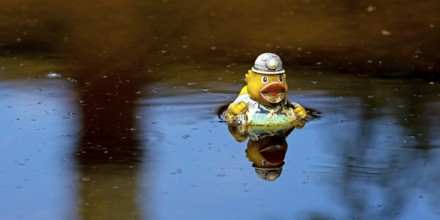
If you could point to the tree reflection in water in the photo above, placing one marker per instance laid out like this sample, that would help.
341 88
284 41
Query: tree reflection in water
109 153
107 52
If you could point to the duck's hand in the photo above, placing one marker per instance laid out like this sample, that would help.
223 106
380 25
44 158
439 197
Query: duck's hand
237 108
300 111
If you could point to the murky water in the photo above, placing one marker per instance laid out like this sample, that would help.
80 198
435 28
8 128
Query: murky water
374 153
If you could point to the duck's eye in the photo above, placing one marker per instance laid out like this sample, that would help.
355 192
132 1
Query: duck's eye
264 79
280 78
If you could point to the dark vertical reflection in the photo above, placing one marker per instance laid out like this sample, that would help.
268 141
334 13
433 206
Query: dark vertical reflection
109 152
107 50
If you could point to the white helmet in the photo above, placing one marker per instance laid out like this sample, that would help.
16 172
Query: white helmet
268 63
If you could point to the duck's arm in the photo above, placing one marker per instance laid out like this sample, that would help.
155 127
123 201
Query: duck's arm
239 105
299 110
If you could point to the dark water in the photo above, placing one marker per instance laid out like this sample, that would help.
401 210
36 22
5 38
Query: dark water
374 153
109 110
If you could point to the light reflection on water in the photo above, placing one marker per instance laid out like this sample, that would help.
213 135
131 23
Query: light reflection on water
373 155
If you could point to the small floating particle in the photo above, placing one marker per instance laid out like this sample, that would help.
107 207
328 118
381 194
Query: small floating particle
386 33
371 8
53 75
221 175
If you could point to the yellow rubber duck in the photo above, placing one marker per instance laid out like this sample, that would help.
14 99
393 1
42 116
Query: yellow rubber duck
263 101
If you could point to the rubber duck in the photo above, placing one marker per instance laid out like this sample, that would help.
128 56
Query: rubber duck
262 102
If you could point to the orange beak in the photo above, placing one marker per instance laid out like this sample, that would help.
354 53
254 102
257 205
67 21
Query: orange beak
273 92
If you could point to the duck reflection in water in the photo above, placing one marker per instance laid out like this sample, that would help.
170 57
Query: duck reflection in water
266 148
267 156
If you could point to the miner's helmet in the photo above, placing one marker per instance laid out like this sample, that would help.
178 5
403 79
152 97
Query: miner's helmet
269 174
268 63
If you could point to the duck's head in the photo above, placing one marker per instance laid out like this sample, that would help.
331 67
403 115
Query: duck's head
266 82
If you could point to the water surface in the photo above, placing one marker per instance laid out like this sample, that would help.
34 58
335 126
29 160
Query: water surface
373 154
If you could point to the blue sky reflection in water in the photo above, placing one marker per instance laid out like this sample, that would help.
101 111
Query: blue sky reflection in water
373 155
38 131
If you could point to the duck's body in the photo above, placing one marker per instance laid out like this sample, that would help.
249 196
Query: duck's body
256 114
263 102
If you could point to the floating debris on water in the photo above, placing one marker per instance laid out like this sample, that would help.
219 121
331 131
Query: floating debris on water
53 75
386 32
371 8
191 83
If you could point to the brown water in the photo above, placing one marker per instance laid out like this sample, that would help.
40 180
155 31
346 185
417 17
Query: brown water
109 110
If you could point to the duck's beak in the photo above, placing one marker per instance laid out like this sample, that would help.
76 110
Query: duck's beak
273 92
